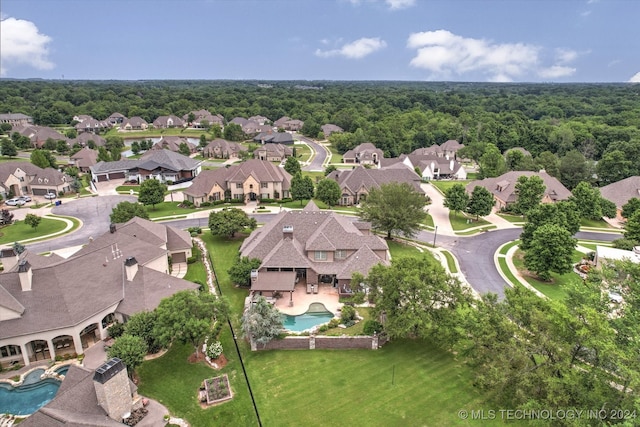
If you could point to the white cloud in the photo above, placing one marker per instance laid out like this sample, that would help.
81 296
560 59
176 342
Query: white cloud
400 4
635 78
355 50
23 44
445 54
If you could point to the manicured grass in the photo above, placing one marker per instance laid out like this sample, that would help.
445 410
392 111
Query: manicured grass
443 186
554 289
595 223
335 156
399 249
357 329
451 264
461 221
196 272
4 159
169 209
125 189
407 382
502 262
516 219
505 248
303 152
428 221
223 252
19 231
315 176
155 133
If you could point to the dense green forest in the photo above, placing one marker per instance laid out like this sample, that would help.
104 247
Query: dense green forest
598 121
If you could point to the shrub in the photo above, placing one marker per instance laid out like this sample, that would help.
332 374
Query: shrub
323 328
348 314
371 327
186 204
192 259
333 323
169 182
213 350
205 204
358 298
116 330
197 230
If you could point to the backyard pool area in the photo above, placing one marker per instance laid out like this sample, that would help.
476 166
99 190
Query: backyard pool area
27 398
316 314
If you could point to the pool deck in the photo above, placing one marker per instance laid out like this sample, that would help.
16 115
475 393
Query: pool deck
326 295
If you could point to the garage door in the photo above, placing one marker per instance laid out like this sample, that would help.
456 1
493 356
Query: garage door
102 178
116 175
179 257
39 191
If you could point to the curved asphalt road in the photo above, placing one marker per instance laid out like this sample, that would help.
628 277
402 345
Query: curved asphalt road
475 254
317 162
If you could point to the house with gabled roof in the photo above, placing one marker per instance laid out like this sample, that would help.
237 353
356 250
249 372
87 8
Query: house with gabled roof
273 152
222 149
504 192
431 166
163 165
134 123
329 128
364 154
90 125
202 117
287 123
274 137
311 248
116 118
16 119
83 139
166 122
51 306
172 143
247 181
38 135
621 192
22 178
84 159
357 183
448 149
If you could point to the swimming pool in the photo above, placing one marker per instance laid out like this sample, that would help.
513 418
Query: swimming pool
27 398
317 314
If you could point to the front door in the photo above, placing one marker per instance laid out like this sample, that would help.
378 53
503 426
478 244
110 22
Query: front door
253 197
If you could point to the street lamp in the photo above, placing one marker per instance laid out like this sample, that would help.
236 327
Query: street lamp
435 234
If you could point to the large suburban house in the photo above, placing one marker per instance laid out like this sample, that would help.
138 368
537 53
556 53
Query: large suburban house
22 178
364 154
272 152
248 181
621 192
222 149
202 118
448 149
134 123
287 123
51 306
87 124
504 192
84 159
163 165
606 254
273 137
431 166
165 122
38 135
329 128
313 248
172 143
357 183
84 140
16 119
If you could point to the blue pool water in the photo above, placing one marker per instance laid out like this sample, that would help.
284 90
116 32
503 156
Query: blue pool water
317 314
26 399
62 370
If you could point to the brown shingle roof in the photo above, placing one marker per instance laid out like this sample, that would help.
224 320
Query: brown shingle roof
622 191
503 187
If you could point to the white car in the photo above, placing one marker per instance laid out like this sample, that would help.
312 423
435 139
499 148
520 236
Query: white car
15 202
50 196
25 198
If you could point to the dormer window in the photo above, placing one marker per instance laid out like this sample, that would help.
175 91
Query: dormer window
340 254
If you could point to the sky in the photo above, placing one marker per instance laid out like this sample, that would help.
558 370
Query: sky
414 40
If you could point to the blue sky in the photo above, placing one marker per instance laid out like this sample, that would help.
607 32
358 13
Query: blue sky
435 40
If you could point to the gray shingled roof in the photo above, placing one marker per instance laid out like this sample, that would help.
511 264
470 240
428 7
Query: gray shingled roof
356 179
167 159
503 187
622 191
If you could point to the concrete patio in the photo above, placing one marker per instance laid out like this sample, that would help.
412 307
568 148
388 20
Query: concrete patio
327 295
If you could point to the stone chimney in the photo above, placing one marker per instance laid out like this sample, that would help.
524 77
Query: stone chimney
131 268
287 231
112 389
9 258
26 275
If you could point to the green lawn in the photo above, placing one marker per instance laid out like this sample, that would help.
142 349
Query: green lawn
303 152
451 264
516 219
196 271
154 133
4 159
399 249
19 231
443 186
335 156
125 189
595 223
168 209
461 221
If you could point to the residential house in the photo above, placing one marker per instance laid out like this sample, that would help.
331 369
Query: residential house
116 119
163 165
38 135
328 129
83 139
621 192
271 136
84 159
447 149
261 120
273 152
289 124
52 306
254 128
222 149
431 166
607 253
90 125
311 248
134 123
364 154
165 122
248 181
22 178
16 119
504 192
357 183
203 117
172 143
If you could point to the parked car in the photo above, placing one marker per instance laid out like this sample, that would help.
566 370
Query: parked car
50 196
15 202
25 198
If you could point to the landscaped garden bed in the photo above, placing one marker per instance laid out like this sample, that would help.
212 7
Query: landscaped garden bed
215 390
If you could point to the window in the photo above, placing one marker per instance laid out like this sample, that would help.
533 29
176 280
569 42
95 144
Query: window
341 254
239 185
320 255
10 350
264 185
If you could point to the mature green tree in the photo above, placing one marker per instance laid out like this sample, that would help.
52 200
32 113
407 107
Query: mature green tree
50 144
124 211
574 169
394 208
329 169
262 322
32 220
72 171
142 324
104 155
632 227
328 191
40 159
301 187
549 162
492 162
530 191
8 148
631 207
151 192
292 165
228 222
131 350
203 141
613 167
189 316
551 250
417 298
135 147
184 149
587 200
62 147
563 214
240 271
608 208
481 202
233 132
18 247
71 133
456 198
